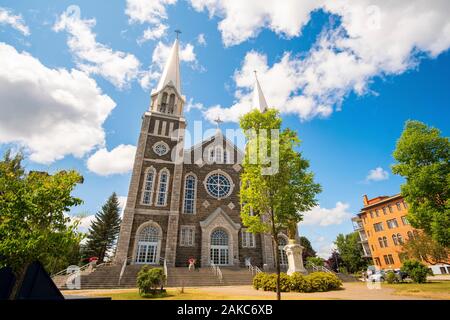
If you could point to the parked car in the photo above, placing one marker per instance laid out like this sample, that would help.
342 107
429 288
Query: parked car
378 276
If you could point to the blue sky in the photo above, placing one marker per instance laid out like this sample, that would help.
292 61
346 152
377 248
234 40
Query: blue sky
346 75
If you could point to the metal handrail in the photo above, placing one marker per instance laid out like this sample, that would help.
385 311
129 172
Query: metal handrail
254 269
124 265
217 272
64 271
320 268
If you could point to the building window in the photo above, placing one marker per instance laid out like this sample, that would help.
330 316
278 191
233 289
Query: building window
399 238
398 206
147 194
405 205
443 271
171 104
389 259
373 249
162 187
385 242
148 245
225 156
394 239
282 256
377 212
190 186
384 211
218 185
248 239
392 223
160 148
378 227
219 254
163 106
377 261
390 208
187 236
380 242
371 214
410 235
405 221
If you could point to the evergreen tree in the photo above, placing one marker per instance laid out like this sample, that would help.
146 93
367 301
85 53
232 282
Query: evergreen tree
104 230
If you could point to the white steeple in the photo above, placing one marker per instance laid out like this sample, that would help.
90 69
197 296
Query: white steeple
171 73
259 101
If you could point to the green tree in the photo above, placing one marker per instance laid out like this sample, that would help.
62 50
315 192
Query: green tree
314 261
424 247
351 252
416 270
104 230
308 250
423 159
273 201
34 224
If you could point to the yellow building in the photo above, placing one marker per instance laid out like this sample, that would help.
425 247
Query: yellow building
383 227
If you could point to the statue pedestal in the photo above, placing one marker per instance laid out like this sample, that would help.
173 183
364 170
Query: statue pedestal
294 255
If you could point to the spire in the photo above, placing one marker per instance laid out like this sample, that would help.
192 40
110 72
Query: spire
171 72
258 97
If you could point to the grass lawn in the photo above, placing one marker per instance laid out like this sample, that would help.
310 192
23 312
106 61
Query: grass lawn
433 289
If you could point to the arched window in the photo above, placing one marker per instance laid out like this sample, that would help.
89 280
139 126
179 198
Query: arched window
380 242
171 104
399 238
147 194
148 245
410 235
163 106
190 186
219 253
394 239
162 187
282 256
211 155
385 242
218 154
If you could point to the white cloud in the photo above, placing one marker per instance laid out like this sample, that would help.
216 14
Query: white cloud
51 112
193 105
147 11
201 39
117 161
152 12
325 217
377 174
374 39
117 67
159 58
325 248
15 21
152 33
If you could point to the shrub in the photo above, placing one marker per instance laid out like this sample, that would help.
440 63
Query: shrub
316 281
300 283
391 277
416 270
149 280
323 281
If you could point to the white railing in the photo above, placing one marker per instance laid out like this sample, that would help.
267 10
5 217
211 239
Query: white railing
217 272
320 268
254 269
124 265
165 270
64 271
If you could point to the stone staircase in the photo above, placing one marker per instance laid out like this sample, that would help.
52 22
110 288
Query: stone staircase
107 277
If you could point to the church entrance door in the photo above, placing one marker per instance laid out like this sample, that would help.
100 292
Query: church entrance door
147 252
219 254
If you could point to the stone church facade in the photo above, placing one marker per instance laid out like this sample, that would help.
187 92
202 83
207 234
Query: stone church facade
184 203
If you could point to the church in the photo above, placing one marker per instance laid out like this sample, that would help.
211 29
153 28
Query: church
184 203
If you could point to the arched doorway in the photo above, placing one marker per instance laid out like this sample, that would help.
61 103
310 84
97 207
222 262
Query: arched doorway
282 256
219 254
148 245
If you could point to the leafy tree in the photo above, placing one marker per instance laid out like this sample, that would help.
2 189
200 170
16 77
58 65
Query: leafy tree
416 270
423 159
149 280
424 247
273 201
104 230
351 252
308 250
316 261
33 217
334 262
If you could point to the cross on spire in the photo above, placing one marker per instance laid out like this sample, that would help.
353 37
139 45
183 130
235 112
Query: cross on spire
218 121
177 32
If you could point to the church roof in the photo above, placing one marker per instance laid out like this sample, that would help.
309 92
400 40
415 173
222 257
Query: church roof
259 101
171 72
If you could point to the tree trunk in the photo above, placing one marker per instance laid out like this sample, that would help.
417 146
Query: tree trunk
20 274
277 261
